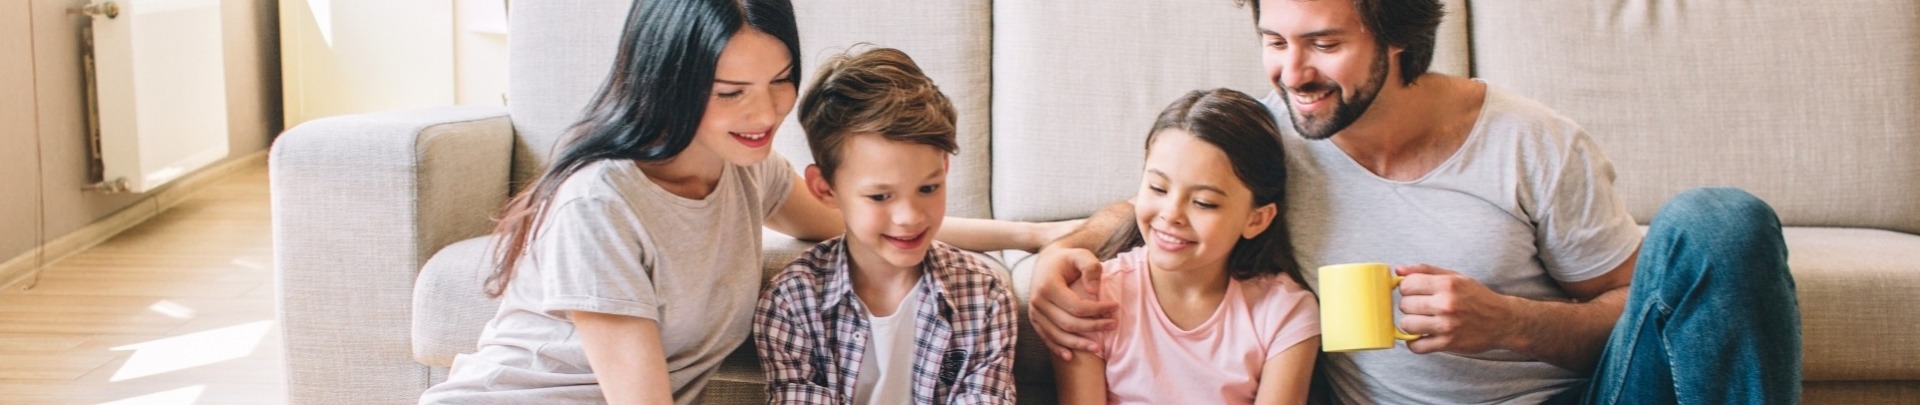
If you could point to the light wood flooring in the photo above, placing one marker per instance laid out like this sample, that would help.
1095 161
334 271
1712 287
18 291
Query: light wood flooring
177 310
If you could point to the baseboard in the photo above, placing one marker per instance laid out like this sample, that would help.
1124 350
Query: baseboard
16 270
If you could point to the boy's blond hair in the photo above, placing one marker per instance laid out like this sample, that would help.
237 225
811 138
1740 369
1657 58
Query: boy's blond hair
879 91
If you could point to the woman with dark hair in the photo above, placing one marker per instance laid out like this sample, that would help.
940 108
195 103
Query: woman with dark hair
630 268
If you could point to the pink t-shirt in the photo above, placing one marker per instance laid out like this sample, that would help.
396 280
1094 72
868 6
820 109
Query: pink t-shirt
1153 361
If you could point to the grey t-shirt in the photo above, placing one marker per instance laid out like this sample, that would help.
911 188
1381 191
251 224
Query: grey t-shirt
614 242
1527 200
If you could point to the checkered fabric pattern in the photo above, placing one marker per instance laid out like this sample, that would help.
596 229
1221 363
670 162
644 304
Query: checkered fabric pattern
811 333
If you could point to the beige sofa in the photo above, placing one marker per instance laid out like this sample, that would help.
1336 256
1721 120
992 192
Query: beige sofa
1814 107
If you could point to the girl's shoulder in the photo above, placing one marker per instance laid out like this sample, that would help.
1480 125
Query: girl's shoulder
1277 294
1124 272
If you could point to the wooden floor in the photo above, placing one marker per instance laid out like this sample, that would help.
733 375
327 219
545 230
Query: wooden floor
178 310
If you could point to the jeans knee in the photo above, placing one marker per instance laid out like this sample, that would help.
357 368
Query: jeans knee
1724 210
1727 226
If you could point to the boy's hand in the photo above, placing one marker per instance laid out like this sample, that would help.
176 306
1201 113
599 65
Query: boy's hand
1060 311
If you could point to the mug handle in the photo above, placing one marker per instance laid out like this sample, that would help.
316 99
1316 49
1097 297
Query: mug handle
1397 333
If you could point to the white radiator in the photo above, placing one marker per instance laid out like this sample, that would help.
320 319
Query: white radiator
160 90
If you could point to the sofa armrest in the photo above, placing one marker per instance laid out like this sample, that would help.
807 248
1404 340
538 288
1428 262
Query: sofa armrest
359 203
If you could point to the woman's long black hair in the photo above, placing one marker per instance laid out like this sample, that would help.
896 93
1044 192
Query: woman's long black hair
651 103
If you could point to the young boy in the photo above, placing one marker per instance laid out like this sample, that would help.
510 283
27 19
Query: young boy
883 314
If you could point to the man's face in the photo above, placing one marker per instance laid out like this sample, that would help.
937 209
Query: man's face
1320 56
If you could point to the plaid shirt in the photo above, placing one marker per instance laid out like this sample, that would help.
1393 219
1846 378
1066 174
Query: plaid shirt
811 332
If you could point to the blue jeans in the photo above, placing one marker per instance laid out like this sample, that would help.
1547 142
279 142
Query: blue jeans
1711 317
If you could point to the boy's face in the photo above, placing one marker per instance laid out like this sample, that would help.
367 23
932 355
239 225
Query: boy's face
893 196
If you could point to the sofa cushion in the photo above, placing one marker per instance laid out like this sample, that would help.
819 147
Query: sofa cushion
1077 84
1857 302
1809 105
561 53
951 43
450 306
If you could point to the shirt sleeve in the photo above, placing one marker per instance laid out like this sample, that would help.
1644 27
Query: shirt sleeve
1299 319
590 254
773 178
1583 229
989 378
784 330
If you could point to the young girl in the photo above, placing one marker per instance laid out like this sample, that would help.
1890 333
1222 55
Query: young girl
1212 309
630 268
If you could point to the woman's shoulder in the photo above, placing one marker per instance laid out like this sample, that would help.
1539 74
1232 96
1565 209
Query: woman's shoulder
595 180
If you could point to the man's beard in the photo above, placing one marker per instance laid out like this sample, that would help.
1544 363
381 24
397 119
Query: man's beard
1344 112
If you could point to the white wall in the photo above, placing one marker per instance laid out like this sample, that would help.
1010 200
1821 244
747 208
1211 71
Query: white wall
43 114
356 56
480 52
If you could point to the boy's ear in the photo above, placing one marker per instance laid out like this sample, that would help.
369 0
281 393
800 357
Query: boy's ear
817 185
1261 219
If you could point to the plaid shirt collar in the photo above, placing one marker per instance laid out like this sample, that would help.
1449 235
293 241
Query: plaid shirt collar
837 277
812 338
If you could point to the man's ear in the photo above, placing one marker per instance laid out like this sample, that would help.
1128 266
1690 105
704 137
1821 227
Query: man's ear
817 185
1261 219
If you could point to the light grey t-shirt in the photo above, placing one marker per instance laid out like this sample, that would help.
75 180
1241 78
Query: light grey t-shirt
1527 200
614 242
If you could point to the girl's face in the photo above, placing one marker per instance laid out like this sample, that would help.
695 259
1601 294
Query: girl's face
753 89
1192 208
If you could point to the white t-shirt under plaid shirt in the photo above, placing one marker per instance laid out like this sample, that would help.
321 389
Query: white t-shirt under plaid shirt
812 332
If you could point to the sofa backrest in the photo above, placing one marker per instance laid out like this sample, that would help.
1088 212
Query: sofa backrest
562 49
950 40
1812 106
1076 85
560 52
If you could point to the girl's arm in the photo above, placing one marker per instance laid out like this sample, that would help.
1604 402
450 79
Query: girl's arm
804 217
1286 376
1083 380
987 235
625 355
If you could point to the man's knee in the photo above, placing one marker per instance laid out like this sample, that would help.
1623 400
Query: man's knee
1727 226
1729 213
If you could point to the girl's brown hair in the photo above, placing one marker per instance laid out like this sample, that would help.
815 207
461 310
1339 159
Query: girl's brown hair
1246 131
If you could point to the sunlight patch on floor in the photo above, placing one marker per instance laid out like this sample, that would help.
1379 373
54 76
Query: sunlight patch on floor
171 309
181 396
250 263
191 350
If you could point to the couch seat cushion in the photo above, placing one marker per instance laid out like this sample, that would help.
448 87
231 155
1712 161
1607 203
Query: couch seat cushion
1857 302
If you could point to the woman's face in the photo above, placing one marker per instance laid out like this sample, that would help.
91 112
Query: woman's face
753 90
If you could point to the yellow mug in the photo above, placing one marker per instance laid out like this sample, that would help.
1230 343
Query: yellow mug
1356 307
